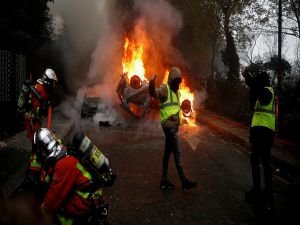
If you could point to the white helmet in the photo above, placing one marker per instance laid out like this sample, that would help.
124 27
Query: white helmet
45 143
49 74
49 78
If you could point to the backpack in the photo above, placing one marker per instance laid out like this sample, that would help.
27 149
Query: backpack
24 103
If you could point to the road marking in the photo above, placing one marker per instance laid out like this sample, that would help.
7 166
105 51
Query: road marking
193 142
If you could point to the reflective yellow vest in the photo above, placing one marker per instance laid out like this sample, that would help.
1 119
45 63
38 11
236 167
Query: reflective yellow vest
265 115
170 107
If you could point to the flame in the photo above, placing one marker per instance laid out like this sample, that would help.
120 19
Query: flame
186 93
132 61
135 47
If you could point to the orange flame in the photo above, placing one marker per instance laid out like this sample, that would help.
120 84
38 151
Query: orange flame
132 61
133 64
185 93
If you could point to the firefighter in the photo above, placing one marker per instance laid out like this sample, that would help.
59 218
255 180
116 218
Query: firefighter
168 95
262 132
33 104
74 194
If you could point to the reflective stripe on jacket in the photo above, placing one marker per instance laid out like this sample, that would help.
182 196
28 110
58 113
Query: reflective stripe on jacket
264 115
69 194
65 220
34 164
170 107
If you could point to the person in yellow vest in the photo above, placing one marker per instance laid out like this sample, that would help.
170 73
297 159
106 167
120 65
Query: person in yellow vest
168 95
262 134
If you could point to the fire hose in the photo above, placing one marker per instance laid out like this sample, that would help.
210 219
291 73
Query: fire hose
49 117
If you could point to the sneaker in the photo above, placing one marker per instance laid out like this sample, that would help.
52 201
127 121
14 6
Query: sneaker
166 184
186 185
253 196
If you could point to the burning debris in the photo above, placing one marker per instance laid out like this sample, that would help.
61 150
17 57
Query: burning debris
134 95
133 88
89 107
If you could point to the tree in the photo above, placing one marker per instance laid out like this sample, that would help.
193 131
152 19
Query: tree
24 24
291 11
290 17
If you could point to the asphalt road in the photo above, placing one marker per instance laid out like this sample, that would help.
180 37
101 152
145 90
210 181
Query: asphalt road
221 169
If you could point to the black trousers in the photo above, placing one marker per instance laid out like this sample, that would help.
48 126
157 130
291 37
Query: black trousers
172 146
262 140
263 153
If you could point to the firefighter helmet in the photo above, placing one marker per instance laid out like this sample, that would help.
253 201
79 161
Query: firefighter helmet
45 143
49 78
49 74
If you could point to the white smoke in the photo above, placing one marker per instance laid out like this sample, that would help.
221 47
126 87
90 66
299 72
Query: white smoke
93 46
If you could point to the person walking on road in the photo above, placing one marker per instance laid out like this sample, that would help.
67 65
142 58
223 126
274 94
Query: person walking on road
262 134
168 95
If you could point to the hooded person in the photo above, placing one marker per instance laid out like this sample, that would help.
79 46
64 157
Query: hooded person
168 95
262 132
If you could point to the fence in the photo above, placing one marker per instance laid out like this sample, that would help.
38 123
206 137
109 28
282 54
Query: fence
12 75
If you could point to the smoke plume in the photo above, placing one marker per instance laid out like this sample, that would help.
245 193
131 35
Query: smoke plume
92 41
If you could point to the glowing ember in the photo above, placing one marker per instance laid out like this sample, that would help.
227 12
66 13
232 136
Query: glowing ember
186 108
186 94
135 82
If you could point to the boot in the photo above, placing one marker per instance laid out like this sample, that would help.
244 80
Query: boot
268 199
186 184
166 184
253 196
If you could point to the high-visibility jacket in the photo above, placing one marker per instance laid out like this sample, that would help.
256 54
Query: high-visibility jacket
67 196
170 107
264 115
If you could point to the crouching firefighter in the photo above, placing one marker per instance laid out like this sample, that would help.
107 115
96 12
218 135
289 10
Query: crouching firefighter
74 177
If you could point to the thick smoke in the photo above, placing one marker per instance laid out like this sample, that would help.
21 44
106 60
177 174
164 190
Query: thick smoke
92 43
161 22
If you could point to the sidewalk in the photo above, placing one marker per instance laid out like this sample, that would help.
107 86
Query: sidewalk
15 152
285 155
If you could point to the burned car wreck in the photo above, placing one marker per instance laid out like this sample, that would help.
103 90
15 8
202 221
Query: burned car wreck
134 95
135 98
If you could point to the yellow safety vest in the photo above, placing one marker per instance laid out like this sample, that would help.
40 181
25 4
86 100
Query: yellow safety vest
170 107
265 115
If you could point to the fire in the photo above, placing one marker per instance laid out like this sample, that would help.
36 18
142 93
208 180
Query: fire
186 94
132 61
135 47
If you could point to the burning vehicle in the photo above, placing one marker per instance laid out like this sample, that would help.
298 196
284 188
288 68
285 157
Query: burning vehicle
133 87
135 98
134 95
89 106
